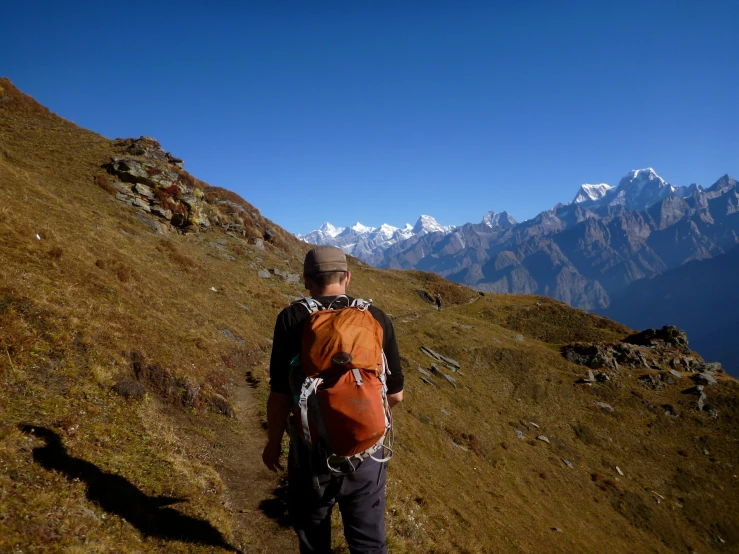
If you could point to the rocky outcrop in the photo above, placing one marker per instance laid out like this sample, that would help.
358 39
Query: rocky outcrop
669 335
660 355
153 182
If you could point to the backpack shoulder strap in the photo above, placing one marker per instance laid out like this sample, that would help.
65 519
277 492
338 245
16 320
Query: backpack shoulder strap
337 299
361 304
310 304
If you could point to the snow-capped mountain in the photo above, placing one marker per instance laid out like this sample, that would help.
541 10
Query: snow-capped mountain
427 224
591 192
504 220
363 241
637 191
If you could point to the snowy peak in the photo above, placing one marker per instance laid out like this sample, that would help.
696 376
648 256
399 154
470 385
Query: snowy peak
363 241
361 229
641 177
503 220
330 230
591 193
642 188
637 190
427 224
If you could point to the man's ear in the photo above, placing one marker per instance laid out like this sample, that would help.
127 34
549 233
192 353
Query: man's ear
348 277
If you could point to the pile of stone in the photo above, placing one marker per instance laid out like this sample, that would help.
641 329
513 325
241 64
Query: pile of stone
151 180
148 148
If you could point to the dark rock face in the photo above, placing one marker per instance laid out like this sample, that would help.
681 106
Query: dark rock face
593 356
669 334
582 255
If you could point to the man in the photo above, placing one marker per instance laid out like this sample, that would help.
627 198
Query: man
438 301
312 488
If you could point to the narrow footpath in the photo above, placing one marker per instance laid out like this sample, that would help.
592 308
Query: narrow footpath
255 493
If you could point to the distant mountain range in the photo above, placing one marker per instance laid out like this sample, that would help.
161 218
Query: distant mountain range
364 242
582 252
586 252
700 297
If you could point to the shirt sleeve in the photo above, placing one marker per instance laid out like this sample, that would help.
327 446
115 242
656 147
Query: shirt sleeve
279 364
390 345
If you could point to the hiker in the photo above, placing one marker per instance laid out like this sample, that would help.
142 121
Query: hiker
318 479
438 301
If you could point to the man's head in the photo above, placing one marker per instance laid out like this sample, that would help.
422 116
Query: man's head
325 271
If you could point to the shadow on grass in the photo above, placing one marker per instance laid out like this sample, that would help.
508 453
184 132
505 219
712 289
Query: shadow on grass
276 508
119 496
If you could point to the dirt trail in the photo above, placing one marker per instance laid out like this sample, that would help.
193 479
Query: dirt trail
253 490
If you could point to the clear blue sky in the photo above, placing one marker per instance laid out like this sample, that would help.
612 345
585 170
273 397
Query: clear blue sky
380 111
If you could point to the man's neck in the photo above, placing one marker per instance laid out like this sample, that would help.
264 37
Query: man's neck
331 290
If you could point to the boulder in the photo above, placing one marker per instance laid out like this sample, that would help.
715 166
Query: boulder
154 225
221 405
705 379
151 174
264 274
141 204
161 212
127 198
130 389
593 356
143 190
669 334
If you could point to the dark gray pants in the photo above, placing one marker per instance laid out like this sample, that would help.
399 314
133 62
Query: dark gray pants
361 498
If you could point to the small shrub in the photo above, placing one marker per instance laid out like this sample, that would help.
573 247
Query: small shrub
103 182
585 434
56 252
124 273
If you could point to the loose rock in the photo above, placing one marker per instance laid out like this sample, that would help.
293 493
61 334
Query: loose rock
130 389
705 379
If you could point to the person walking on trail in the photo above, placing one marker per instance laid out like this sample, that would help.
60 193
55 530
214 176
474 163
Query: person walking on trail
319 364
438 301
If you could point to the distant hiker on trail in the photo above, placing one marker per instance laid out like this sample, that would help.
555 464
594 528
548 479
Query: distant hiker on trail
334 376
438 301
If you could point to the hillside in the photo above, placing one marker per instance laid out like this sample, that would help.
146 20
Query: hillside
133 360
700 297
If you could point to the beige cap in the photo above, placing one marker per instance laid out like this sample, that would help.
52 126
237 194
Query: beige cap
323 259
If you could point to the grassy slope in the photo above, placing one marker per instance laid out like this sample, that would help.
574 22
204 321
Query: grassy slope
100 285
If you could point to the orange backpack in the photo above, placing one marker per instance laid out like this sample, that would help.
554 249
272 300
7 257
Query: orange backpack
342 407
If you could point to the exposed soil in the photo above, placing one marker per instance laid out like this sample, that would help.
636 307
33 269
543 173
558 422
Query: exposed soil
255 494
254 491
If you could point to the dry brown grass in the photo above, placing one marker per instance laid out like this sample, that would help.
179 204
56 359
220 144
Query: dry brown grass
100 297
